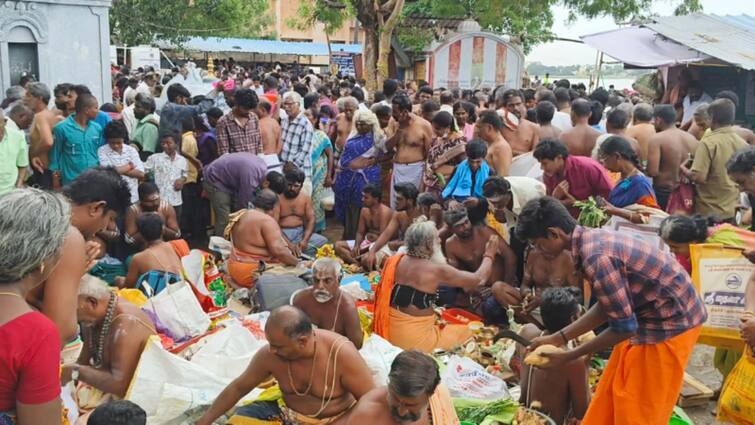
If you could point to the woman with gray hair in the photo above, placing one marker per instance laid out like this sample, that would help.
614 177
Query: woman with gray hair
406 296
33 226
357 167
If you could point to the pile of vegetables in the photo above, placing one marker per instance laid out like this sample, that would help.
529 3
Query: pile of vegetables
484 412
591 215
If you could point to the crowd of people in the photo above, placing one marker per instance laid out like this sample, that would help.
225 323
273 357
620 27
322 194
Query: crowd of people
461 198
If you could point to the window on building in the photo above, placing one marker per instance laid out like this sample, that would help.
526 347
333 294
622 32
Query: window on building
23 60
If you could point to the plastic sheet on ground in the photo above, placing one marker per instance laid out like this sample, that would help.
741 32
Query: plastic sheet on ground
465 378
379 354
166 385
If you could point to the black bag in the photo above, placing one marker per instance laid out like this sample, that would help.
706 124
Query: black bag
273 291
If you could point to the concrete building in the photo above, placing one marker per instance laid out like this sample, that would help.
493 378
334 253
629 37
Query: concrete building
284 11
56 41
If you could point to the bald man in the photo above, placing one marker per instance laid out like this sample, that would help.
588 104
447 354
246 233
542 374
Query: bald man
580 140
327 305
320 373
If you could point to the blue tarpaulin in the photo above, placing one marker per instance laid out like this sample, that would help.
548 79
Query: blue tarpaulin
247 45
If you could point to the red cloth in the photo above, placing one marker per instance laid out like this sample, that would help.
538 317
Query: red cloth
586 178
29 361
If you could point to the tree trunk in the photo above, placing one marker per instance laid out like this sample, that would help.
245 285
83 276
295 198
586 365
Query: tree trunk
386 34
370 57
330 51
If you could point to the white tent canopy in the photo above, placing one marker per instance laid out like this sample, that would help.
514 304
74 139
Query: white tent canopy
642 47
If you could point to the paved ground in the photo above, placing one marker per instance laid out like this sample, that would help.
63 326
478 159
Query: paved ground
700 365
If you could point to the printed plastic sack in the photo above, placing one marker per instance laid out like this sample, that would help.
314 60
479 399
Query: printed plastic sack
720 276
379 354
737 402
206 282
682 199
465 378
177 313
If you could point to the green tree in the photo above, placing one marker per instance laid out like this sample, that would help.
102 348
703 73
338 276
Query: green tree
134 22
310 14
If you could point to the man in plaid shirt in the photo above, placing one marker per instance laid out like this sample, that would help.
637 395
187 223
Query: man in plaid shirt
239 130
296 136
653 313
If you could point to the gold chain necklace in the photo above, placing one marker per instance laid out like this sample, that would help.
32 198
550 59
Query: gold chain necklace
311 374
12 294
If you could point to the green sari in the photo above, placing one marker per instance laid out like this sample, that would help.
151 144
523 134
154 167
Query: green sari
320 142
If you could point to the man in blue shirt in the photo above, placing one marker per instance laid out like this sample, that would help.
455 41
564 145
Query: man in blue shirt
102 118
75 142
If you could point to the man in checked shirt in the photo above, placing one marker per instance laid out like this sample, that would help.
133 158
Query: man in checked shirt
296 138
653 313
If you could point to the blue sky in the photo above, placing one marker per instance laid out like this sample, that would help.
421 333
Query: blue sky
566 53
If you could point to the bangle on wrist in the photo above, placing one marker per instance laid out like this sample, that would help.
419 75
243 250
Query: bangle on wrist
492 257
566 341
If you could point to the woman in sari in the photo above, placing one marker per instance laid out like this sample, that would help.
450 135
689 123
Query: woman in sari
634 188
322 168
446 152
357 168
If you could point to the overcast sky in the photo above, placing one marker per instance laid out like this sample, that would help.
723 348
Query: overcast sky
566 53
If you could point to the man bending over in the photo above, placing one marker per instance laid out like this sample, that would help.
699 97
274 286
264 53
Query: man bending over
320 373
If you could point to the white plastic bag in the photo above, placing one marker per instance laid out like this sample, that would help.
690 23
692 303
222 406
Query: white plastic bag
467 379
177 312
379 354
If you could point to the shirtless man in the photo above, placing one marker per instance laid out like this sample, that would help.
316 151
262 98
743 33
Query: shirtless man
411 141
580 140
544 112
320 373
642 128
669 148
157 255
270 130
414 381
110 365
465 250
256 237
149 201
97 197
296 217
489 125
542 272
521 134
563 392
40 134
373 219
344 121
326 305
616 125
393 235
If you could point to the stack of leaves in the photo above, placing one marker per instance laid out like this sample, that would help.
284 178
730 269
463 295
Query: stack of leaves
590 215
485 412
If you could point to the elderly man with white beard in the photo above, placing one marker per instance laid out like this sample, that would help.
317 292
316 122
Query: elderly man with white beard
406 296
327 306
